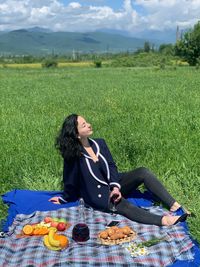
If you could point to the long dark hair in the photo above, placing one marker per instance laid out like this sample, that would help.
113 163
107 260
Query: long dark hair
67 141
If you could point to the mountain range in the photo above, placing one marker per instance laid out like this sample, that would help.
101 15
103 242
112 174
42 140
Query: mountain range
39 41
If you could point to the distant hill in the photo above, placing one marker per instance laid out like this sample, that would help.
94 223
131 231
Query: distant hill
39 41
166 36
38 29
154 36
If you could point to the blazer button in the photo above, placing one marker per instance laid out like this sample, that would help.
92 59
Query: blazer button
99 195
98 186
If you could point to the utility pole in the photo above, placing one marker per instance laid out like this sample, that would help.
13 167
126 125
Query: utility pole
73 55
177 34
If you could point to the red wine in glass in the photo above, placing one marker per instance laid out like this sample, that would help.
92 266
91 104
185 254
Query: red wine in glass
80 232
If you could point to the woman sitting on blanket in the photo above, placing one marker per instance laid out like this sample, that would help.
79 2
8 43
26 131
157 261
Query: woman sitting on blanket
90 173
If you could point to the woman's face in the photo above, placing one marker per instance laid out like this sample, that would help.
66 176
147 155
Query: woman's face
84 128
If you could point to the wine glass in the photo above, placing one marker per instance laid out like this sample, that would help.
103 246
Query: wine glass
113 203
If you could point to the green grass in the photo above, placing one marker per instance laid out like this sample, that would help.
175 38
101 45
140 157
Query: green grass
148 118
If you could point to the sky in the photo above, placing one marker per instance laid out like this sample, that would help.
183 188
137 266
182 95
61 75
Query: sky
90 15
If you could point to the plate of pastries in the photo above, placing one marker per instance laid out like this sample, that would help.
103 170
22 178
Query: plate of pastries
116 235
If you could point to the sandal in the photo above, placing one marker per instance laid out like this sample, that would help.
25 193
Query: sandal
182 218
189 213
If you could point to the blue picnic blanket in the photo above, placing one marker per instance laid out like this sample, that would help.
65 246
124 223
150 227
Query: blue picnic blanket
28 201
27 206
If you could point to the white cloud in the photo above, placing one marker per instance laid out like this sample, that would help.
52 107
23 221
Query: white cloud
168 14
75 5
133 16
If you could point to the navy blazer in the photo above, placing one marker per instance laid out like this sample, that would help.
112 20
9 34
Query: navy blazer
89 180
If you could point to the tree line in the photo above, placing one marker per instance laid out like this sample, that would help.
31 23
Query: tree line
187 49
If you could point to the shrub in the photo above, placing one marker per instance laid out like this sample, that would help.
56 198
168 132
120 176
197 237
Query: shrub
162 64
49 63
198 63
98 63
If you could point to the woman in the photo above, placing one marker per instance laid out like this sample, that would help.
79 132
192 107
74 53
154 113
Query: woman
90 173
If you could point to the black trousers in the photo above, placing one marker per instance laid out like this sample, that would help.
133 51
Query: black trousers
130 181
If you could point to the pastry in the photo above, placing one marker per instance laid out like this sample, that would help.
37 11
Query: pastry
116 235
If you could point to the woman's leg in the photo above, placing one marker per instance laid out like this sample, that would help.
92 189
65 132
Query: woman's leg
131 180
125 208
134 213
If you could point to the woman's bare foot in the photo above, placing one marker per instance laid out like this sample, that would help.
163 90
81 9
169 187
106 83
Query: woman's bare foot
169 220
175 206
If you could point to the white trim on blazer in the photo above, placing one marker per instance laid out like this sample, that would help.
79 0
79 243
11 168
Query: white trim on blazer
107 167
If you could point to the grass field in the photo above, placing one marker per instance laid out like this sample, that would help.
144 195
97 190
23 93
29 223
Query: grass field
148 118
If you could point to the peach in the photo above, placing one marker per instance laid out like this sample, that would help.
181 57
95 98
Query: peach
54 224
47 219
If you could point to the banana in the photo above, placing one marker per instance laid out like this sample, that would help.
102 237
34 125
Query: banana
53 228
52 241
47 244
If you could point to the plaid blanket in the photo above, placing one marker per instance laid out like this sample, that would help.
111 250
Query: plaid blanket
31 252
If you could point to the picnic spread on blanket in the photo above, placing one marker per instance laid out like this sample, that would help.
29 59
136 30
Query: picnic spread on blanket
150 245
47 238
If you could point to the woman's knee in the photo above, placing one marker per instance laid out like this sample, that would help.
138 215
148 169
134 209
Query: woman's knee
142 170
144 173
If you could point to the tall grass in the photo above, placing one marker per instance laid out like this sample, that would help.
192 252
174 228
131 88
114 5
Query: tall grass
148 118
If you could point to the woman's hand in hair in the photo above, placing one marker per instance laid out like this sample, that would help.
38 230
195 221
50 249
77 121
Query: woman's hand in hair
54 200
